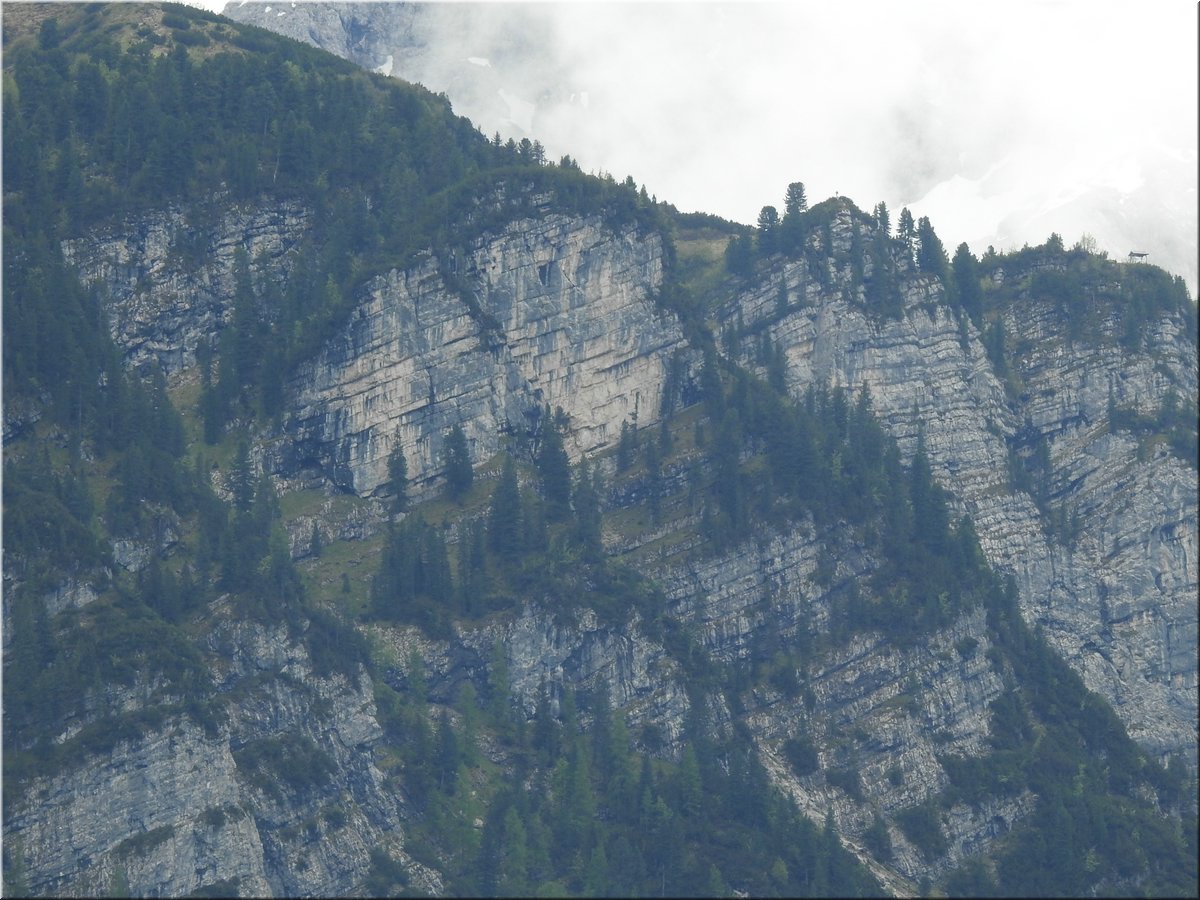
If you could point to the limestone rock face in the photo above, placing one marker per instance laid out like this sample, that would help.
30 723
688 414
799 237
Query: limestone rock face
558 310
563 317
903 706
1118 598
366 33
159 305
182 807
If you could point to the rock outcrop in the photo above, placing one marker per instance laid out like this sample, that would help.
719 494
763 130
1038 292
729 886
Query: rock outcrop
167 278
558 313
1118 598
279 795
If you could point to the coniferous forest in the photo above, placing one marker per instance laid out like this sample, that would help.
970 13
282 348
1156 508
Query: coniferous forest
145 497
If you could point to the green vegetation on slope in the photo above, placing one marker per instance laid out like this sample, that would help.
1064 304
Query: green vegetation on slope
105 118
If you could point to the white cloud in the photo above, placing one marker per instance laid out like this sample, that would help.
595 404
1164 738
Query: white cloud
1001 121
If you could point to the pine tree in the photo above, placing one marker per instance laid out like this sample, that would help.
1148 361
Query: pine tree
966 279
460 473
768 231
535 534
931 255
472 569
588 518
504 515
626 446
553 465
398 477
514 876
906 231
792 231
795 202
739 255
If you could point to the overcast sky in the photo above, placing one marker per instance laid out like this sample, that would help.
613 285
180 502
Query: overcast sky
1001 121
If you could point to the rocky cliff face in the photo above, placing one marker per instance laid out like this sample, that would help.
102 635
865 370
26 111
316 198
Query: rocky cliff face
161 300
561 315
558 310
279 796
1118 600
365 33
905 707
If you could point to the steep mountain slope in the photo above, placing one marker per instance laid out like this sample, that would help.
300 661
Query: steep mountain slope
1149 671
1115 585
247 651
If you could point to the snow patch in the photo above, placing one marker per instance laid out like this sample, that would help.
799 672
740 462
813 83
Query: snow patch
386 68
479 61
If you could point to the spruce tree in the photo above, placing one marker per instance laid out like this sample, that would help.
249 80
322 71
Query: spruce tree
553 465
460 474
626 446
795 202
398 477
588 520
768 231
966 279
504 515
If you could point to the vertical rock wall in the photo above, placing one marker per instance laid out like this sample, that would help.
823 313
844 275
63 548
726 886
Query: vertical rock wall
563 316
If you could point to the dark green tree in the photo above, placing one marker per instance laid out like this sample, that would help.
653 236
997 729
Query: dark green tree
739 255
398 477
795 202
931 255
768 231
966 280
906 230
460 473
473 583
504 516
792 230
588 518
883 222
553 465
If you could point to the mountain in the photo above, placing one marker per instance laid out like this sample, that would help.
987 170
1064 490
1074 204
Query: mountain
387 509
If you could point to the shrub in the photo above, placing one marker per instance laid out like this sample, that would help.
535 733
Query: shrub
848 779
877 840
921 826
801 755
